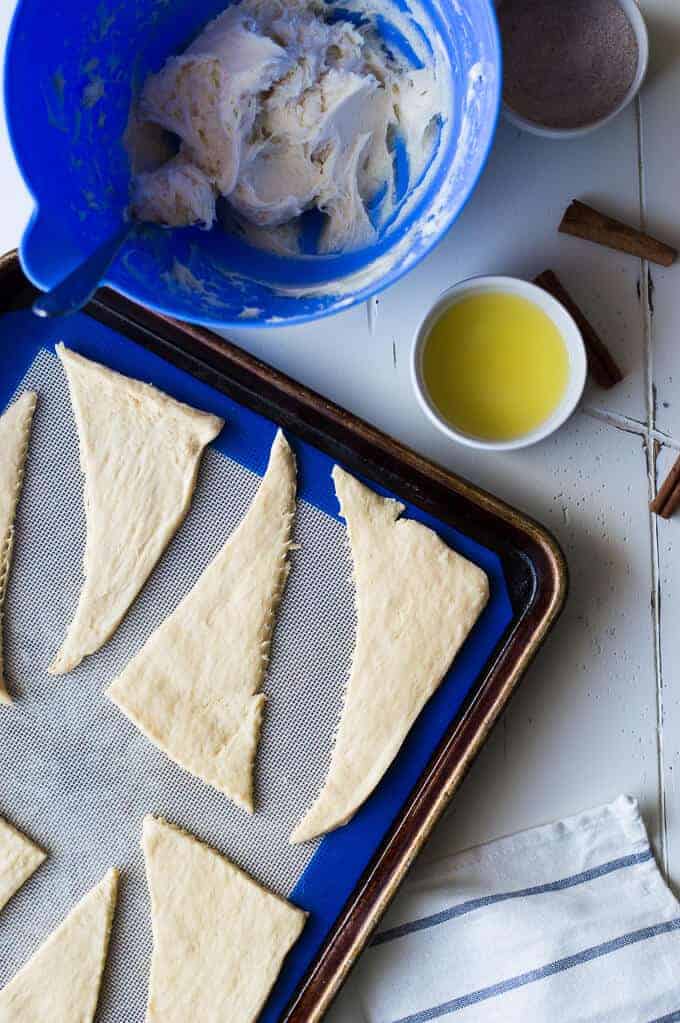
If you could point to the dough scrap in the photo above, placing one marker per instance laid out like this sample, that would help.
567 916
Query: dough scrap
194 687
219 938
139 452
61 983
416 602
15 428
19 858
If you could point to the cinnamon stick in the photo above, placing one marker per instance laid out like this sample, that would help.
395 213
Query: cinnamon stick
584 222
601 363
667 499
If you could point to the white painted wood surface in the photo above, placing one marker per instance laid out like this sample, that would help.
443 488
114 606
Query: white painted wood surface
599 712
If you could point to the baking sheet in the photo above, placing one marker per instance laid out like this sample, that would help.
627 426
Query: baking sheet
78 777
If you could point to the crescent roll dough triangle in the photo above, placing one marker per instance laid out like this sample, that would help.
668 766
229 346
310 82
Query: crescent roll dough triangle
139 452
15 427
19 858
194 687
60 984
416 602
219 939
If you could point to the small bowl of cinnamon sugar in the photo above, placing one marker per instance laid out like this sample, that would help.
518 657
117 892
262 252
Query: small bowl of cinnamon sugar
570 65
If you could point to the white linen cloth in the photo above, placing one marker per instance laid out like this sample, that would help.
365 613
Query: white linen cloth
568 923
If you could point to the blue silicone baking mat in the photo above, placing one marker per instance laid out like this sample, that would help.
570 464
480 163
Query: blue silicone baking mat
98 823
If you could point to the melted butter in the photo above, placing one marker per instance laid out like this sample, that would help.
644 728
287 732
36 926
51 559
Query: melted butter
495 366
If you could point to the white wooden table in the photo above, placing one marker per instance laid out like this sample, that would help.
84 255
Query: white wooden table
599 712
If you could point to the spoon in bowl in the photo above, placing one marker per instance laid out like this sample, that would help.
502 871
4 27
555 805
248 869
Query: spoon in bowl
76 290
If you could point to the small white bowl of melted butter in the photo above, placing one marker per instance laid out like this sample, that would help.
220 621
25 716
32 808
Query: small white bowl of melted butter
498 364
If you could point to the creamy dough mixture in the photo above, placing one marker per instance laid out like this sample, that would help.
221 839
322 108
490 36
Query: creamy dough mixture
282 106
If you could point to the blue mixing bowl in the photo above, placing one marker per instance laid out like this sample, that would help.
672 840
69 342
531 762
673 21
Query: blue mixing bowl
70 73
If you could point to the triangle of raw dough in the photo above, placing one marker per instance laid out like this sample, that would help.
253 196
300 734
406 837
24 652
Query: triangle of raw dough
219 939
61 982
19 858
15 428
194 687
416 601
139 452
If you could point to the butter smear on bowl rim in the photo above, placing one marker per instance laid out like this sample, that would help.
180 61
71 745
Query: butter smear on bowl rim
498 364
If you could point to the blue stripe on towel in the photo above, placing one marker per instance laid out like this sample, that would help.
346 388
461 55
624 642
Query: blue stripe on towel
489 900
568 963
673 1017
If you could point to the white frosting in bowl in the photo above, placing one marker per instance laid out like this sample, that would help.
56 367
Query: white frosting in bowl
282 106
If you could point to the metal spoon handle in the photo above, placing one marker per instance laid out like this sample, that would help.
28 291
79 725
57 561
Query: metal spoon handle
77 289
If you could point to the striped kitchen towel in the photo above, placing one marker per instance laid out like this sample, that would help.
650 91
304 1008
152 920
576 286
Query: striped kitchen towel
569 923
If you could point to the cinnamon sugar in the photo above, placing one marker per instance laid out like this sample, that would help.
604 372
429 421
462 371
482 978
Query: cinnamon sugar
568 63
